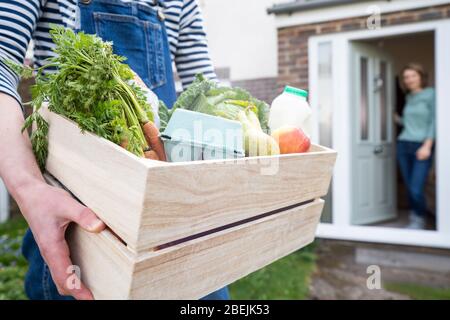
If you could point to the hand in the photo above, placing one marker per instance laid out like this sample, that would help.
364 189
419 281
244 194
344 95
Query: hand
397 118
49 210
423 153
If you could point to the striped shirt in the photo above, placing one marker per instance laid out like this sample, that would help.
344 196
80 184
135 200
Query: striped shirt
23 20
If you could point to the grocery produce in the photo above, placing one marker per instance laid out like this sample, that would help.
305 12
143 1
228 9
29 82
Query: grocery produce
91 86
151 134
291 140
256 142
291 109
151 154
206 96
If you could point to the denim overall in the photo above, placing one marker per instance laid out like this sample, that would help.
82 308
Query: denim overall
138 33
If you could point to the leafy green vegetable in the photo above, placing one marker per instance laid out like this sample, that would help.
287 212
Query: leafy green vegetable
92 87
206 96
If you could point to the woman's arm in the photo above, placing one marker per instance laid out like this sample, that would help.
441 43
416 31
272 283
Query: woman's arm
192 53
398 119
425 150
431 134
48 210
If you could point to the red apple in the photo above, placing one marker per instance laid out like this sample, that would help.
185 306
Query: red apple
291 140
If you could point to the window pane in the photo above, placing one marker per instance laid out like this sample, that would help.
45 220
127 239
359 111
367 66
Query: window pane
325 93
325 111
364 103
383 101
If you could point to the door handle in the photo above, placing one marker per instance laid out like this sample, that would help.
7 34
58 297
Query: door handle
378 150
378 84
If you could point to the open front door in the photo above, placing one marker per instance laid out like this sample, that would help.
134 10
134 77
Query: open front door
374 179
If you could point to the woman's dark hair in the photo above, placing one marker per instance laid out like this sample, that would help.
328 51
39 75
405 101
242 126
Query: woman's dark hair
420 70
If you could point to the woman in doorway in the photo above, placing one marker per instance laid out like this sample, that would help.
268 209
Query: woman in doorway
415 144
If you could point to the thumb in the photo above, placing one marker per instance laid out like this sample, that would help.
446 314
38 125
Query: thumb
87 219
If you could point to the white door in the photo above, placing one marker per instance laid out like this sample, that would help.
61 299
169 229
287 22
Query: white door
374 174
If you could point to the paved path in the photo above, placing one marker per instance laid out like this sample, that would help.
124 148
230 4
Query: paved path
339 276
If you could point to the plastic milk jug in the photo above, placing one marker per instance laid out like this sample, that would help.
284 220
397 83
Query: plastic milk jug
291 109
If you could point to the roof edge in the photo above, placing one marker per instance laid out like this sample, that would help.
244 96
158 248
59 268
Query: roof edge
291 7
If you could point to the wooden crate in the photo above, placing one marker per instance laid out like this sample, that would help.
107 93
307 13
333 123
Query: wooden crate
182 230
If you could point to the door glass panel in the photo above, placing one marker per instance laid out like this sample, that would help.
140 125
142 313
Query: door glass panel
325 82
364 103
325 111
383 101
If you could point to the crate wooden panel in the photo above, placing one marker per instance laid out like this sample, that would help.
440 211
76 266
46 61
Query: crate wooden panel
194 268
149 203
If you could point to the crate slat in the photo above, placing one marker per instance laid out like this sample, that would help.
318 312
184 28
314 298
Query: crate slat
195 268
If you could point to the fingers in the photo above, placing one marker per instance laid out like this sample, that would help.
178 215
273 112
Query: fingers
86 218
421 156
64 274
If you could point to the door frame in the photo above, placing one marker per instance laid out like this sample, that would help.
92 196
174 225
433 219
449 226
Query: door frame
4 202
341 227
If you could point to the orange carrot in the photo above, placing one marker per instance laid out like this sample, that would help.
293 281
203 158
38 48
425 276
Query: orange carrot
151 155
124 143
151 134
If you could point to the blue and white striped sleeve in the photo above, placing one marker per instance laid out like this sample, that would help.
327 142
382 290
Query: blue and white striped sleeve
17 22
192 54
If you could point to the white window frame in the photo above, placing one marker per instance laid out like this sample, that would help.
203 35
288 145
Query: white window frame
341 227
4 202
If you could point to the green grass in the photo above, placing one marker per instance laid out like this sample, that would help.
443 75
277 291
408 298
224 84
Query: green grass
13 265
418 292
287 278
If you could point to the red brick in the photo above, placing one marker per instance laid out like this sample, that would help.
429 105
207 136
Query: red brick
351 26
402 18
328 28
432 14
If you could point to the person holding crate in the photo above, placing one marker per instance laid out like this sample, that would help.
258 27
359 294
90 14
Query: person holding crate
177 36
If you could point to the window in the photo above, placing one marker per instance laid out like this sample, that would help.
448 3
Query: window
325 98
364 102
325 113
383 101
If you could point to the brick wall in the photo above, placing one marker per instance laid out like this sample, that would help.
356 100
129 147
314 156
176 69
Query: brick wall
293 41
265 89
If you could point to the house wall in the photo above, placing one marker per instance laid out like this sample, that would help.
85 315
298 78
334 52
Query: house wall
265 89
293 41
242 39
